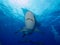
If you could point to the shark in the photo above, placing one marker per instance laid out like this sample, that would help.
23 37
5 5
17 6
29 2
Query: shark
30 23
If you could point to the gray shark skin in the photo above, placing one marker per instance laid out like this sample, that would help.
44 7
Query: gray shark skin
30 24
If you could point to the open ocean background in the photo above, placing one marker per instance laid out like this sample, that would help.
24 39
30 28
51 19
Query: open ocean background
47 13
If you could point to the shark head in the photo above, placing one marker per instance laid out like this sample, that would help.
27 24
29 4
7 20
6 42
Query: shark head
29 19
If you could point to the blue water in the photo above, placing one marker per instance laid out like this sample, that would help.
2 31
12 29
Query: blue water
47 14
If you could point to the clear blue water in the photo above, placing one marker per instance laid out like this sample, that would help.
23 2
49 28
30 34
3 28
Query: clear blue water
47 13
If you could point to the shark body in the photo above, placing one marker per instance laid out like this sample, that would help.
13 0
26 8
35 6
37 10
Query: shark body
30 24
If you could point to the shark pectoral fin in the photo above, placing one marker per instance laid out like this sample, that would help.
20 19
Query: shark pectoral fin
24 32
36 30
40 31
20 30
17 31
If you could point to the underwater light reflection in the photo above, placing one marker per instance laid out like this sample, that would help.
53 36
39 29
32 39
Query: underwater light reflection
18 3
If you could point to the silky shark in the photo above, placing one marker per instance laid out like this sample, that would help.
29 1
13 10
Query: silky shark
30 23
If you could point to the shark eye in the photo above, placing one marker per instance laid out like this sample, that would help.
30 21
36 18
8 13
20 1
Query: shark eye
30 19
